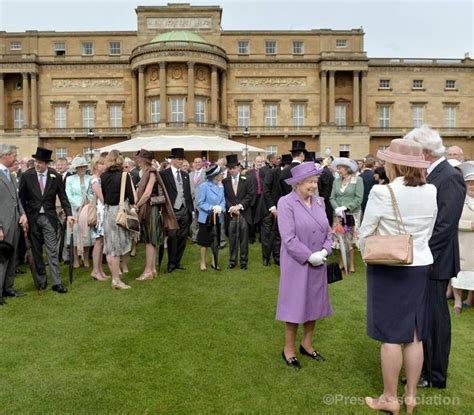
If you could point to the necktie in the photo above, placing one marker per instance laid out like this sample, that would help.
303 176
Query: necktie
259 182
196 177
41 182
178 177
7 174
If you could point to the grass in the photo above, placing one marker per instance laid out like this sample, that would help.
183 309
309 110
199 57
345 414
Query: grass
195 342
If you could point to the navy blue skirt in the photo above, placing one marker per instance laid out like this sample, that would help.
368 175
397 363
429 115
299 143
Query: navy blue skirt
397 300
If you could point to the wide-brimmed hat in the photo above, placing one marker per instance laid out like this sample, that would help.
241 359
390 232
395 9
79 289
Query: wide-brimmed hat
177 153
286 159
297 145
6 251
78 162
467 169
404 152
43 154
232 160
213 171
302 171
145 155
344 161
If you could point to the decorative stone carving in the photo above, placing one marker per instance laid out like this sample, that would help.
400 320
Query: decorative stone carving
193 23
154 76
273 65
87 83
176 72
201 74
277 82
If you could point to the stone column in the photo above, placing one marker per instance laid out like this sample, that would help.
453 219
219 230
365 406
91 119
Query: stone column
141 95
26 101
323 104
355 98
134 98
163 97
2 102
191 112
214 116
363 93
223 97
332 98
34 101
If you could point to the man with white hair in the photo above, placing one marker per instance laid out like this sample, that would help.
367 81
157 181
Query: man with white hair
444 245
456 153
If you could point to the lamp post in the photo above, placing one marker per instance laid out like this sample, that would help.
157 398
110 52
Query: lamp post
246 135
90 134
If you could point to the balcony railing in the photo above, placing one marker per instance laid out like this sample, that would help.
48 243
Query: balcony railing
401 131
278 129
99 132
179 125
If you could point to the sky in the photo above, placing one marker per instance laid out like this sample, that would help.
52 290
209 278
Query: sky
396 28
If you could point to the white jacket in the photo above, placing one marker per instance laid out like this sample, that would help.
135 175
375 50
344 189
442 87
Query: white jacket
418 208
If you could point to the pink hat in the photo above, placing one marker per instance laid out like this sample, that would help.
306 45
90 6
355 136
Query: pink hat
302 171
404 152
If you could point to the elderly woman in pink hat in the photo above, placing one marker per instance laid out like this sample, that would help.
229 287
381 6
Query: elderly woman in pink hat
305 244
397 295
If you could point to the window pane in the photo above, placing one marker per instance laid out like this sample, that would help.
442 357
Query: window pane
340 115
17 117
243 116
177 110
116 116
61 152
450 84
271 115
200 111
271 149
155 110
15 45
243 47
384 116
298 47
87 116
60 117
417 83
341 43
87 48
270 47
298 115
114 48
384 83
450 117
417 113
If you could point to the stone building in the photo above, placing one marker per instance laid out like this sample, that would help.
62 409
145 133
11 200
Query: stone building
180 73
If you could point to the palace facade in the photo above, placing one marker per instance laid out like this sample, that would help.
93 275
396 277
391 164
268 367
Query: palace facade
181 74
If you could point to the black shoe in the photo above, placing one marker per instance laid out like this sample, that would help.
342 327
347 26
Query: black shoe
422 382
315 355
180 267
171 268
13 293
216 268
2 301
438 385
230 266
293 362
266 263
59 289
244 267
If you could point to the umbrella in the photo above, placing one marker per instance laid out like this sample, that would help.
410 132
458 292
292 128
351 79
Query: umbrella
62 237
31 261
71 256
161 254
216 241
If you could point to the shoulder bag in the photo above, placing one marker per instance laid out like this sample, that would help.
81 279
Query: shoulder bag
127 217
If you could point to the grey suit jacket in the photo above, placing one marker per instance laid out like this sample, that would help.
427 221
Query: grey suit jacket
11 207
195 185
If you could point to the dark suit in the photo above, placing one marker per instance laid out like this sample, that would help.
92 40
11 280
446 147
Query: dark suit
256 205
444 245
325 181
367 177
239 226
285 189
43 227
177 238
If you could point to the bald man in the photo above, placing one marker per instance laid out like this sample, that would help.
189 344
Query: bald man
455 152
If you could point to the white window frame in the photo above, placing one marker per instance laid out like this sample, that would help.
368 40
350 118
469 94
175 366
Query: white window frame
60 116
271 149
113 49
270 47
298 47
200 111
450 84
345 147
271 115
88 116
59 48
384 84
450 116
298 114
243 115
340 111
418 84
243 47
341 43
177 109
115 112
15 45
417 114
61 152
384 116
155 110
87 48
17 117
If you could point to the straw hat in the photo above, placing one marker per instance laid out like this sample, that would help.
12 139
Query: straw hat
404 152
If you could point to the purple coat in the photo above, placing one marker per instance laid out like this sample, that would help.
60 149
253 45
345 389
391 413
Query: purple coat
303 294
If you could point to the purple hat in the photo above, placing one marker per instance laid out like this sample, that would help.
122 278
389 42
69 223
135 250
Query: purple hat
302 171
404 152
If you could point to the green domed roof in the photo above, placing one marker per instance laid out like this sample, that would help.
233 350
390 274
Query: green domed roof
178 37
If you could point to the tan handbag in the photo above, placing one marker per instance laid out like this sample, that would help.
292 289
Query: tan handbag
127 217
92 212
390 249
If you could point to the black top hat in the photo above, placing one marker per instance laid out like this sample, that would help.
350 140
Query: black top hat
286 159
145 155
43 154
310 156
232 160
6 251
297 145
177 153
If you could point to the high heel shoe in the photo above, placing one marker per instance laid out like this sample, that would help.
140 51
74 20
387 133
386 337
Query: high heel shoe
120 285
145 277
98 277
381 404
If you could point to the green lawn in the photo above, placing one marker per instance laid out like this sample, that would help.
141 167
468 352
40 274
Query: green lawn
197 342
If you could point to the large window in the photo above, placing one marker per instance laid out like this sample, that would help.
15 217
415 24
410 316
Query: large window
298 47
450 116
341 115
298 115
155 110
271 115
116 115
271 149
243 116
177 109
270 47
88 116
87 48
417 115
243 48
17 117
61 152
341 43
200 111
60 117
114 48
384 116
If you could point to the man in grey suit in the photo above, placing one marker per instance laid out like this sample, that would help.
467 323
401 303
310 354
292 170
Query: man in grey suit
197 176
11 214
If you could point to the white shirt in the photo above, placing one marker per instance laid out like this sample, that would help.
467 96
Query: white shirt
433 165
418 208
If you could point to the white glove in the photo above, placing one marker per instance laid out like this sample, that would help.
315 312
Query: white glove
217 209
323 252
316 259
338 211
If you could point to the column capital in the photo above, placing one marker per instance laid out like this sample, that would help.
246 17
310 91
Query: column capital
214 68
324 72
191 65
332 73
162 65
33 75
355 72
141 69
24 74
1 75
364 73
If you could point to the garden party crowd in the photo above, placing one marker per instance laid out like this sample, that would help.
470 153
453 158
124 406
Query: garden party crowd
313 216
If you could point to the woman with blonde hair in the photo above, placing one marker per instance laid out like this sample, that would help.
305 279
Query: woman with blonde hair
117 240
